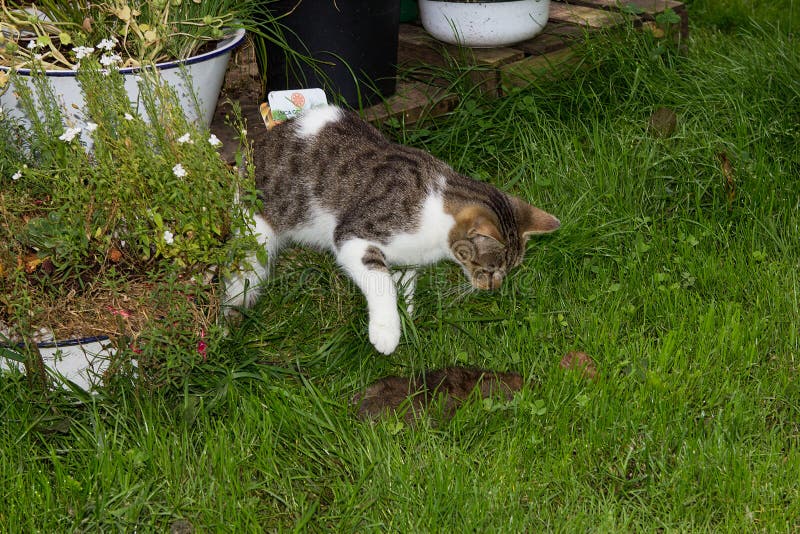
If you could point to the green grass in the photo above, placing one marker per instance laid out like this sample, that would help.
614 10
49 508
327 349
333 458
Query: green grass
686 299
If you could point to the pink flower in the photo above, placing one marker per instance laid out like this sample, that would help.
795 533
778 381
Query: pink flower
201 345
120 312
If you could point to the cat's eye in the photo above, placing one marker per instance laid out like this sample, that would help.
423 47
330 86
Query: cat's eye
463 250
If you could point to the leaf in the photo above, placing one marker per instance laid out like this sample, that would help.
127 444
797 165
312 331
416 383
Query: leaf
632 9
123 13
539 407
396 427
579 361
728 175
668 17
654 29
12 355
640 246
32 262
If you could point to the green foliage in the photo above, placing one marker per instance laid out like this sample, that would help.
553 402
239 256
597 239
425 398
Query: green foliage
153 186
145 30
743 15
150 201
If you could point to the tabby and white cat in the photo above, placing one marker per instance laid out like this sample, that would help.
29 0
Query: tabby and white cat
330 180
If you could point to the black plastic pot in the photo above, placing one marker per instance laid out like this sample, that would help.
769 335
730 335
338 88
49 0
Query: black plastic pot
353 44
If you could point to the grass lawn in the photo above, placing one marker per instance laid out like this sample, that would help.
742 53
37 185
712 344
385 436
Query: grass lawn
676 269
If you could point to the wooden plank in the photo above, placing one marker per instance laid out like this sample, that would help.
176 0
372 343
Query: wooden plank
648 7
584 16
555 36
416 46
547 67
412 102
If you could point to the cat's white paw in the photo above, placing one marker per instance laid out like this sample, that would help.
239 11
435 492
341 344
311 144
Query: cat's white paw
384 333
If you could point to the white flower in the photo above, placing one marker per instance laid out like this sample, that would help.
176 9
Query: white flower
69 135
37 57
213 140
32 44
185 138
110 59
178 170
107 44
17 175
168 237
82 51
128 117
91 126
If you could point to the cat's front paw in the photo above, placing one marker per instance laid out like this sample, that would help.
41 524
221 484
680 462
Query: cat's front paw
384 333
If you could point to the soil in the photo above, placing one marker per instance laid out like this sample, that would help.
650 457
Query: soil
242 85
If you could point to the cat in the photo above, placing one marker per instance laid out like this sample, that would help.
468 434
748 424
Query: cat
330 180
451 386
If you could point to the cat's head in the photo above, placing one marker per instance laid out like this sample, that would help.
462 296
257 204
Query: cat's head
488 245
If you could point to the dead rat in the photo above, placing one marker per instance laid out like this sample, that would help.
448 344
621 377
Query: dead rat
453 385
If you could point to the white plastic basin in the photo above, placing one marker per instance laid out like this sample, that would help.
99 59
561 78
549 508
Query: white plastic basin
205 71
484 24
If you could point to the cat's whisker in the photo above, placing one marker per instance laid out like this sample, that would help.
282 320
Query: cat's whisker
458 292
467 289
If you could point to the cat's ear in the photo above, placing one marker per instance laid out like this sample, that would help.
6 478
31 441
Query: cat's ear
532 220
477 220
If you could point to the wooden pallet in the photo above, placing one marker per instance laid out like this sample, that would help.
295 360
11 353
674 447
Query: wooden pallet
495 70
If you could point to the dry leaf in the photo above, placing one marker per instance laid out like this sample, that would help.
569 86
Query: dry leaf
47 266
727 173
654 29
580 361
32 262
123 13
663 122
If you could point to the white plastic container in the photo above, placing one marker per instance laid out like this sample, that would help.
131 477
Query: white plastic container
80 361
484 24
201 75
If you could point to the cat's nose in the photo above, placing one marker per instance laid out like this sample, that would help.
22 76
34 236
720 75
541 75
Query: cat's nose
488 280
496 280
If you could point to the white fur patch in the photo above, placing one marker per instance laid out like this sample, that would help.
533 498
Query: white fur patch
429 243
311 122
242 287
379 289
316 233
